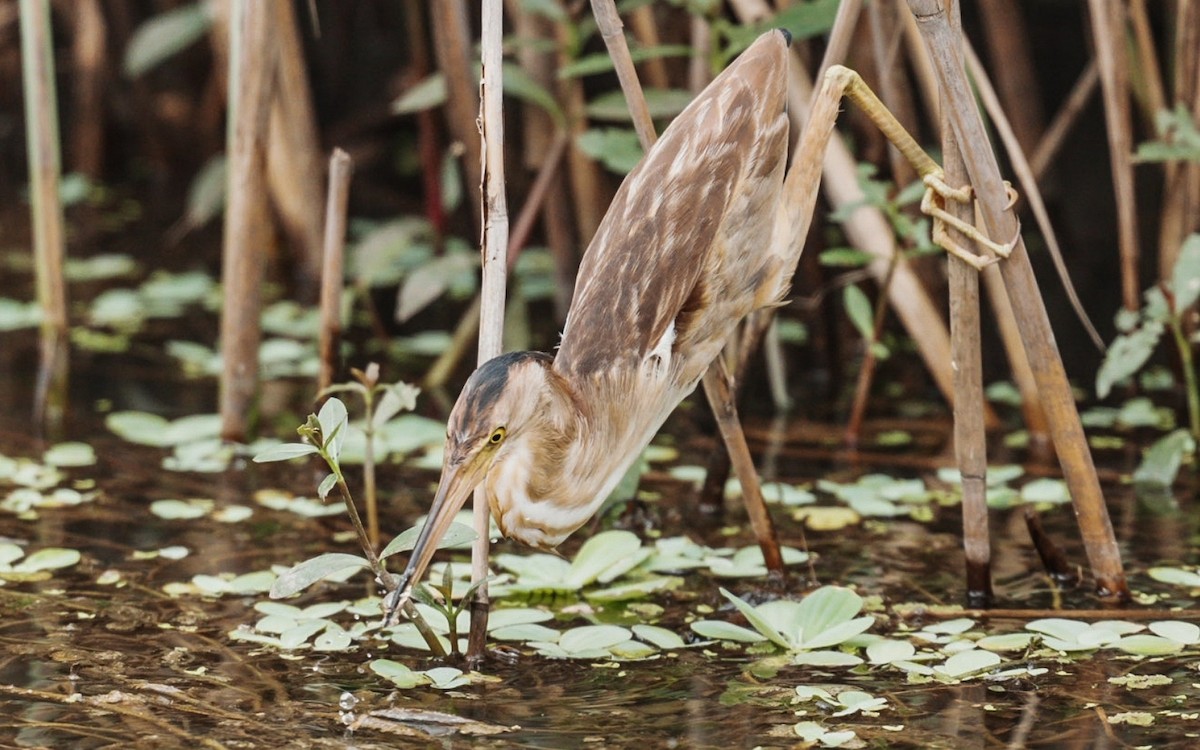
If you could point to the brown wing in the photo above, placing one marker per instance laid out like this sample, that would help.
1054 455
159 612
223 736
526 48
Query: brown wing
654 256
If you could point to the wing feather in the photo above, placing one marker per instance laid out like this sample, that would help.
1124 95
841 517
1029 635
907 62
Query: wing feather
688 226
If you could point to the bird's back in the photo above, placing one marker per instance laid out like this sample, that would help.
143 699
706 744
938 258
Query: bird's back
683 253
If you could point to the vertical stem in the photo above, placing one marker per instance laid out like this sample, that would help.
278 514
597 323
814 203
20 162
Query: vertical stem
42 147
1108 31
452 46
491 324
866 373
611 29
1189 374
340 170
1057 398
970 437
87 136
247 222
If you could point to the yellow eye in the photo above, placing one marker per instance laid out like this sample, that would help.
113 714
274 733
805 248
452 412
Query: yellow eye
497 436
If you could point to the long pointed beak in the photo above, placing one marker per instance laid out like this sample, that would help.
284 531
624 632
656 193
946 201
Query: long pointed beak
454 487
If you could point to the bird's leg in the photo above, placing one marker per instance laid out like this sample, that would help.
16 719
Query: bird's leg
937 192
720 398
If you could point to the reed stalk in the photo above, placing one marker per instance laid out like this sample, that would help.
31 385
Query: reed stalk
42 149
492 292
340 170
247 221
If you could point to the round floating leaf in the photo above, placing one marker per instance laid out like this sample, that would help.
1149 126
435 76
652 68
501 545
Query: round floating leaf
10 553
309 572
138 427
761 623
50 558
1045 491
181 510
334 638
298 635
826 659
1148 645
447 678
592 637
398 674
968 662
1006 642
607 550
1176 630
660 637
524 632
1176 576
888 650
70 454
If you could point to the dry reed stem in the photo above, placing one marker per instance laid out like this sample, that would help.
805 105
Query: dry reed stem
821 160
252 65
88 55
611 29
641 19
1149 74
468 324
922 68
46 213
970 436
294 168
1058 400
452 47
1108 31
840 36
1181 204
340 170
1029 186
492 288
885 35
699 71
1010 51
584 174
1064 120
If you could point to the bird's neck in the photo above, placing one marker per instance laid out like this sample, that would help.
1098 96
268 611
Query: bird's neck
558 478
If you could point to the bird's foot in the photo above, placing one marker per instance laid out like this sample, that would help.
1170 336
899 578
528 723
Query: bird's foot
937 193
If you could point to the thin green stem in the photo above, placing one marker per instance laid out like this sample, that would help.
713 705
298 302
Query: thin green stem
1189 375
369 470
386 579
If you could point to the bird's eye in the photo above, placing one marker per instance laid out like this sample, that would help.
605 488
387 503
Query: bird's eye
497 436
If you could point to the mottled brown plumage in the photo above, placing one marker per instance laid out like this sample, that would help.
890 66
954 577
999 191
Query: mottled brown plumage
685 252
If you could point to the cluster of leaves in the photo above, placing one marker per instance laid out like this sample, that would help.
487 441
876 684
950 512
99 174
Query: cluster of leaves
1164 308
36 485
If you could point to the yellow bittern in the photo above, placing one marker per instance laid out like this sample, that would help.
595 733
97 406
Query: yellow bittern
703 232
688 249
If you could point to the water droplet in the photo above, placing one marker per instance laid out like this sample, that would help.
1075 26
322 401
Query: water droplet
347 702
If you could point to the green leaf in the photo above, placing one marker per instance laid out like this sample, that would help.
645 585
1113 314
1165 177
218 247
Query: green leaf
457 536
520 85
285 452
1126 355
50 558
432 280
592 637
618 149
845 257
605 550
720 630
1148 645
1161 461
427 93
826 659
333 419
858 309
1187 633
965 663
760 623
662 103
138 427
1175 576
1185 279
326 486
206 194
305 574
660 637
398 674
70 454
601 62
165 34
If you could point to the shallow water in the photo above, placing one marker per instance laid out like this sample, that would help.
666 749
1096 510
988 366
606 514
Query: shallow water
99 655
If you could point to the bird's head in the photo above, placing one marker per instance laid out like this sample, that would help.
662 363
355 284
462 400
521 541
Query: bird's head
502 401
